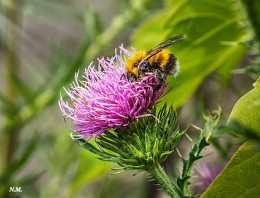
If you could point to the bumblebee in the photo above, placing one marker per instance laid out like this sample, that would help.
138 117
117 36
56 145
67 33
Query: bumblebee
157 60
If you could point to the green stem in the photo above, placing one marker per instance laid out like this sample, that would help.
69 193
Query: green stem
160 176
10 134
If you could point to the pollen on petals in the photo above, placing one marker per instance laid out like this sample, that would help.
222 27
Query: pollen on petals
105 99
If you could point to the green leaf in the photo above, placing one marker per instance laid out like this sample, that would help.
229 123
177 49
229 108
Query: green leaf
247 109
215 31
240 178
198 145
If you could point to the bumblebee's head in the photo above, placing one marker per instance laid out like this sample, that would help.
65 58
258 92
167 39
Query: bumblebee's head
142 68
133 61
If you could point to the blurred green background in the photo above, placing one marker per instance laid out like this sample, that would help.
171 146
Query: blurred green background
42 45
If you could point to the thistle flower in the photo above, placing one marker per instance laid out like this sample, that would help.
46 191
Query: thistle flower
105 105
106 99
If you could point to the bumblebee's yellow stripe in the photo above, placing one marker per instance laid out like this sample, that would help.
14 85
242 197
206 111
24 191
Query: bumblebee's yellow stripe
162 58
135 59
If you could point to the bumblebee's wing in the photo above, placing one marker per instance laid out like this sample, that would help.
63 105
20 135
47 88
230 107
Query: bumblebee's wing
163 45
167 43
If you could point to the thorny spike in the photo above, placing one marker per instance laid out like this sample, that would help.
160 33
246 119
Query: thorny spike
188 137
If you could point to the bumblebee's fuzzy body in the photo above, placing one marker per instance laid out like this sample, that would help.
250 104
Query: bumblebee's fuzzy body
162 64
158 60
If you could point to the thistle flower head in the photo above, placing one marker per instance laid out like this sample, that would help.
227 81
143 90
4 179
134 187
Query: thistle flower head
140 145
106 99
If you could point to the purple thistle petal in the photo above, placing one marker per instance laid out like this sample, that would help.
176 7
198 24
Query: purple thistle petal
106 99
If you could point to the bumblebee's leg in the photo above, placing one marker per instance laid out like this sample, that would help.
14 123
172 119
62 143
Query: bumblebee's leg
161 78
131 77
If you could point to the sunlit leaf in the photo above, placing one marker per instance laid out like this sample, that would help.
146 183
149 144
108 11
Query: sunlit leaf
247 109
214 32
241 176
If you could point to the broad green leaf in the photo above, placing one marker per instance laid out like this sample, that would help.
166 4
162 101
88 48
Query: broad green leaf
214 32
247 109
241 177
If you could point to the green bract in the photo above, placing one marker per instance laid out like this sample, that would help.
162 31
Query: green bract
141 145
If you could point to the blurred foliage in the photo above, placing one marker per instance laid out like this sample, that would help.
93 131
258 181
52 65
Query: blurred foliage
43 43
215 32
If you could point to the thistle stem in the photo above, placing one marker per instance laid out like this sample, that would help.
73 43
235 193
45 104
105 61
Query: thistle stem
160 176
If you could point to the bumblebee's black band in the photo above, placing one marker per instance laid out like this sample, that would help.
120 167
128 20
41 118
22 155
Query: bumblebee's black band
170 66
